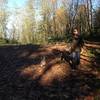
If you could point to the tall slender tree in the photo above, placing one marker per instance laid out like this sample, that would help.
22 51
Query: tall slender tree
3 18
29 23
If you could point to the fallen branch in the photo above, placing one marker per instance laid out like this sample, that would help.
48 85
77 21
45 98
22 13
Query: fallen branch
95 46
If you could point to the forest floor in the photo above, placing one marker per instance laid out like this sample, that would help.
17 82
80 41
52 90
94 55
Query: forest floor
23 78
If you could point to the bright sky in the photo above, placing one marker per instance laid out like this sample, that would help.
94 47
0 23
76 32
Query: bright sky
16 3
17 20
21 3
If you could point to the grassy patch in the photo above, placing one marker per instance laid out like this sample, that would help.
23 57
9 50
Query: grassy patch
90 53
7 42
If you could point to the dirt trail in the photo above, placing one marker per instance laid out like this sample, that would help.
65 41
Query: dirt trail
22 76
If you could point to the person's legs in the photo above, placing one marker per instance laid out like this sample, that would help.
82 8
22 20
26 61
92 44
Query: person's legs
78 57
73 58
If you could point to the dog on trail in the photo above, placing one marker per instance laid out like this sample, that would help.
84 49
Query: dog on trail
65 56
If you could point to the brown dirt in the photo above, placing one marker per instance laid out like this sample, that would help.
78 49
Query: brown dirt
23 78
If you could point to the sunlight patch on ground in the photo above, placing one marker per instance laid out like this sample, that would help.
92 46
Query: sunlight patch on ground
32 72
55 70
48 74
58 72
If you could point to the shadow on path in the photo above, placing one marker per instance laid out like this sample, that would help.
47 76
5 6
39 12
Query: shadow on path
22 77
